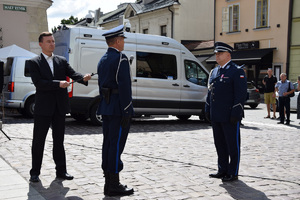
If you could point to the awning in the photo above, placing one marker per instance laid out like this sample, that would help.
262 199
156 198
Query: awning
202 58
245 55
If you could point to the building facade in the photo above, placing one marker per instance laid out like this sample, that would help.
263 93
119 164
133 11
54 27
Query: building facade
183 20
259 32
21 22
294 61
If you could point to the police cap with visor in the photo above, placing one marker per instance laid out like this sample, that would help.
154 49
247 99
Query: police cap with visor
222 47
114 32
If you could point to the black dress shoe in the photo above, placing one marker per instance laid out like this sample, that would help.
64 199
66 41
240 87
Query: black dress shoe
287 123
34 178
65 176
229 178
218 175
280 123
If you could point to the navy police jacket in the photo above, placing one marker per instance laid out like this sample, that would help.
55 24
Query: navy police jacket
114 73
227 93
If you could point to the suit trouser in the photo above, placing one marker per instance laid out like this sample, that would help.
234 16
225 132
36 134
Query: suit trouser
227 141
40 130
114 140
284 102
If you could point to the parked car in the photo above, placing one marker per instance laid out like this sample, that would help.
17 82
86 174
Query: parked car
293 99
253 95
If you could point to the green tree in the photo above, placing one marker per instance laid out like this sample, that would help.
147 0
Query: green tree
71 20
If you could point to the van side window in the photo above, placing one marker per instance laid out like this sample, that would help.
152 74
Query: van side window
26 71
156 65
194 73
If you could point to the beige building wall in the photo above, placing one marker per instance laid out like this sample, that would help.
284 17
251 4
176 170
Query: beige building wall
295 43
23 28
192 20
271 37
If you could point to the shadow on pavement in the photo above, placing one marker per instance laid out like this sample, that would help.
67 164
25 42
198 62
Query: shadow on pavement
56 191
139 126
240 190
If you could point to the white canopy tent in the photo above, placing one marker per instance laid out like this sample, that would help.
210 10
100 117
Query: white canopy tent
14 50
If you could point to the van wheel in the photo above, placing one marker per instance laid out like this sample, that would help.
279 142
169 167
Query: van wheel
183 117
79 117
29 107
95 119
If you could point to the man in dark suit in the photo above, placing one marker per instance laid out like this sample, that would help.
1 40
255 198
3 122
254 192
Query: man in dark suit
116 109
48 73
224 107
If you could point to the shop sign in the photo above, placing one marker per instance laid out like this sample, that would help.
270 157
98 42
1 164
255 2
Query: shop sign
14 8
246 45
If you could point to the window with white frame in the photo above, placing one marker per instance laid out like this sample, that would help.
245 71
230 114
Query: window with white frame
262 12
231 18
234 18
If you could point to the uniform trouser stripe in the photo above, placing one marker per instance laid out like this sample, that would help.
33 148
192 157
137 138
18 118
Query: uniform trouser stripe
238 146
118 147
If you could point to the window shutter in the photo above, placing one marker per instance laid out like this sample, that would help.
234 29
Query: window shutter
225 19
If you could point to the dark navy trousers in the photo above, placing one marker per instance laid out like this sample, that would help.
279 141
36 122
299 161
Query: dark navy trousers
114 140
284 102
227 141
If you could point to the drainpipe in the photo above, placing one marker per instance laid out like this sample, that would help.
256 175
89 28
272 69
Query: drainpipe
172 22
289 38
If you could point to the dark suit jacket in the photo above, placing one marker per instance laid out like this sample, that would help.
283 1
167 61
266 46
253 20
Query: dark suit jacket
49 96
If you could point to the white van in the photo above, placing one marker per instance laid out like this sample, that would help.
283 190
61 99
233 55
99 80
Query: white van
18 89
167 79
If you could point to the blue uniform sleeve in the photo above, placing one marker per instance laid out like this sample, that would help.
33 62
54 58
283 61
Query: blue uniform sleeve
124 87
240 94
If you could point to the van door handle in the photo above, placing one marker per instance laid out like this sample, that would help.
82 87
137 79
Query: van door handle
186 86
134 80
175 84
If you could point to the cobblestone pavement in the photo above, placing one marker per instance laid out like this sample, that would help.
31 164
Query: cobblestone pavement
164 159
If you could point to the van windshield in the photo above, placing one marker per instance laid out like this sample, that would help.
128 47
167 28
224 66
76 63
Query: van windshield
194 73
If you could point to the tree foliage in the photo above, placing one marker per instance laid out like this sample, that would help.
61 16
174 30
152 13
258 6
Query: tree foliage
71 20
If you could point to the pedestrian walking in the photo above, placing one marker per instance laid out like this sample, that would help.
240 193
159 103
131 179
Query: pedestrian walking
116 109
284 88
270 94
224 108
48 73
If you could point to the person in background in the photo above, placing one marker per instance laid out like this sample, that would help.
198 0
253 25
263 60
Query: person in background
224 108
270 94
116 109
298 99
282 88
48 73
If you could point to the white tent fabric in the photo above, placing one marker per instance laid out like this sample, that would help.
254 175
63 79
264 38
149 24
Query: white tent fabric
14 50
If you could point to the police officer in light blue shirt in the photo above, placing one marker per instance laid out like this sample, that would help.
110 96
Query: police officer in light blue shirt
224 108
116 109
282 87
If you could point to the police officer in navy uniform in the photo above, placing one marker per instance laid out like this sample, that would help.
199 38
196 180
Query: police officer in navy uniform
116 109
224 108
